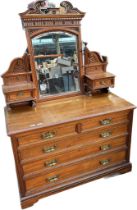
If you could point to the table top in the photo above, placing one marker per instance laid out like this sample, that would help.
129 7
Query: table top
25 118
100 75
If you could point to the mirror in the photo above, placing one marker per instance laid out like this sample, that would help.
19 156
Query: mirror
56 63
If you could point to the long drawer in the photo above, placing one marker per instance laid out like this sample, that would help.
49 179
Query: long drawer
74 128
53 147
55 161
89 165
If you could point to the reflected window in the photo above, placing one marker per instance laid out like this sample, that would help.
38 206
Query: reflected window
56 62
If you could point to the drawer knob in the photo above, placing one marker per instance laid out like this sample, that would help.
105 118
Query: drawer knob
51 163
105 147
106 134
104 162
49 149
78 128
53 179
106 121
48 135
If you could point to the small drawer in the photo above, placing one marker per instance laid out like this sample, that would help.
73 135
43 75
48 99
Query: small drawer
72 129
103 83
54 147
19 95
56 160
89 165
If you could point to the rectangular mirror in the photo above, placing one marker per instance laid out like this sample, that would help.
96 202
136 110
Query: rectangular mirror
56 63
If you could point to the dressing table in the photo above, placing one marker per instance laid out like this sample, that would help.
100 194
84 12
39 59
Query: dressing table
66 127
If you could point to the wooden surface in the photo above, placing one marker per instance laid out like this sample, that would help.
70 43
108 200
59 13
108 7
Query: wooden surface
64 110
18 87
66 142
99 75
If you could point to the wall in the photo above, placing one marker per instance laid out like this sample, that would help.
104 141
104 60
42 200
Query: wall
109 28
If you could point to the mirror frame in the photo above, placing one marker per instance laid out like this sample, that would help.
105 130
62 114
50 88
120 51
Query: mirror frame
80 58
77 42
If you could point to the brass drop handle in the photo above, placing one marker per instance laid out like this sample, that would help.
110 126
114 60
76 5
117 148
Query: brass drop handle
104 162
20 93
105 147
51 163
78 128
53 179
48 135
49 149
106 121
103 83
106 134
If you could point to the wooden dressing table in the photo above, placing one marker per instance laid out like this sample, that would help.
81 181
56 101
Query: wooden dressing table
66 128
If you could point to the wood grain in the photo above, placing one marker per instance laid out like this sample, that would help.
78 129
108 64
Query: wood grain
51 113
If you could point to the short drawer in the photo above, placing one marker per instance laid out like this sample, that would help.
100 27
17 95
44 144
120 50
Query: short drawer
18 95
55 161
103 83
54 147
74 128
90 165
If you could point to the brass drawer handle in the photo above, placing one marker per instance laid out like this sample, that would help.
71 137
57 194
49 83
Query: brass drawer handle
53 179
105 147
49 149
48 135
106 134
103 82
106 121
21 93
51 163
104 162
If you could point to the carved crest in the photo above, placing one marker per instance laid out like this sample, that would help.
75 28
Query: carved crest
67 6
46 7
40 7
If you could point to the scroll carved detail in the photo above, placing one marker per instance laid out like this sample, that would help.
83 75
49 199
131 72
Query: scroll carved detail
40 7
67 5
19 65
44 7
94 61
92 57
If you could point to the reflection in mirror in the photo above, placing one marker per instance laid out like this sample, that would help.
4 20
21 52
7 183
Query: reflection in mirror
56 62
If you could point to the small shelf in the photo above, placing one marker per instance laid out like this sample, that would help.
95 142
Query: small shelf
100 75
21 100
49 56
18 87
18 74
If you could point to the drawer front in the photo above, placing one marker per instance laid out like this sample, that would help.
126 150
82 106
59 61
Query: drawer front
55 161
89 165
103 83
75 128
46 149
47 134
19 95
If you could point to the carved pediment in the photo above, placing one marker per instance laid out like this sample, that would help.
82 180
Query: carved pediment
41 13
43 7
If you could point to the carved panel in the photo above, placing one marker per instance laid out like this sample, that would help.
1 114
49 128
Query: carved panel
28 23
19 65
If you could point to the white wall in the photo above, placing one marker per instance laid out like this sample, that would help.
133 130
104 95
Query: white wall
109 27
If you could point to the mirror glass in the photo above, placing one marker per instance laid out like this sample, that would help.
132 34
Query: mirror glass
56 63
